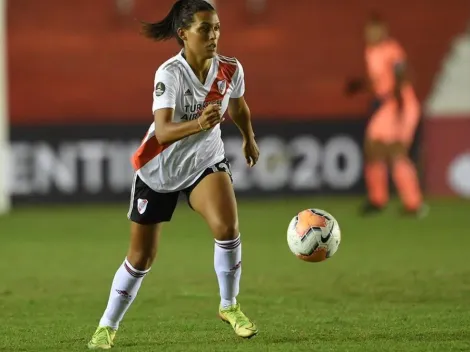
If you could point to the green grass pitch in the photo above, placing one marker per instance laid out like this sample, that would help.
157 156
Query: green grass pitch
396 284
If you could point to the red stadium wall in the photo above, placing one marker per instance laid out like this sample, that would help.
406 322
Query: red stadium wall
447 156
82 61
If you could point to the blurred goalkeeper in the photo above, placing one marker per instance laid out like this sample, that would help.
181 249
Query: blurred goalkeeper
391 129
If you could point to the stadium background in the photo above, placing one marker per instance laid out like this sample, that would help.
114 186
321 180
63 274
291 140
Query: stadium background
80 83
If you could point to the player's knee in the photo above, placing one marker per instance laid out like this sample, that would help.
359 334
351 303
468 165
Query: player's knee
142 259
225 231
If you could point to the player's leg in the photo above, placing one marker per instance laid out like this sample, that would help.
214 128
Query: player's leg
147 211
404 171
378 134
376 175
406 180
213 198
129 277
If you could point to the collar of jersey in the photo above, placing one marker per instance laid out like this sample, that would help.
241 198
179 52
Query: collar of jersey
211 76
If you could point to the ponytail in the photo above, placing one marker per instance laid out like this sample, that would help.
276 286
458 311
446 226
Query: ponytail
166 28
180 16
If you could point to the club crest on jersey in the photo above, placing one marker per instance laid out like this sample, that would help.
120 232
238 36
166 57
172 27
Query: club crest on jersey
222 85
142 205
159 89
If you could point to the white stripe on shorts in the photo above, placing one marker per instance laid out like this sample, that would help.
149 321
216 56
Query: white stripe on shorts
131 205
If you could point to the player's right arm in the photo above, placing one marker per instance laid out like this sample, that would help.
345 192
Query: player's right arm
167 131
164 103
357 85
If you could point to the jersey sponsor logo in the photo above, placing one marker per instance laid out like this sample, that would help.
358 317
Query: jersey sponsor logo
193 111
188 93
160 89
142 205
222 86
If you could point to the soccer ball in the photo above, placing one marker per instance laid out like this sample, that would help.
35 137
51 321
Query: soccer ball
313 235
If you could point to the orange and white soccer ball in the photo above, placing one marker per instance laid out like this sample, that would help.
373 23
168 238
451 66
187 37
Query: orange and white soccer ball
313 235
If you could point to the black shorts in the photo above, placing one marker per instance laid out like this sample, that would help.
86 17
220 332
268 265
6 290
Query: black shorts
149 207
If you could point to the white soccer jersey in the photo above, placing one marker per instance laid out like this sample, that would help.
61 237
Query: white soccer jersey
169 168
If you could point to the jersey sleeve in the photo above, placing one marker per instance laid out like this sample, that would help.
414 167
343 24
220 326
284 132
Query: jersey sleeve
239 83
165 89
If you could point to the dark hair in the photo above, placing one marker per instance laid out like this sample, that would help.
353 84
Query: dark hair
181 15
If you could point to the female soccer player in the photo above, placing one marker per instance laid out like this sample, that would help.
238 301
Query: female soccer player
392 126
183 152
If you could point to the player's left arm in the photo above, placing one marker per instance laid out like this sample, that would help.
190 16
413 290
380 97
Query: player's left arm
400 71
240 113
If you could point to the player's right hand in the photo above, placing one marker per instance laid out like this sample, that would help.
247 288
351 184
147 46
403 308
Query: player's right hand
210 117
353 86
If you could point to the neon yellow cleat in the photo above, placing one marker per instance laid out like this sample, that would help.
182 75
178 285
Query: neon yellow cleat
243 326
102 339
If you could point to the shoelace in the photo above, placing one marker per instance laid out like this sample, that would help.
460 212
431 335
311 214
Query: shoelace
102 338
240 317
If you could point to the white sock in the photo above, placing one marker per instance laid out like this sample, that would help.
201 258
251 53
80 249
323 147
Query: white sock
227 264
125 286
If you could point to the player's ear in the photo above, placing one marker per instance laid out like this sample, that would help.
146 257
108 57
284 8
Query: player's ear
181 34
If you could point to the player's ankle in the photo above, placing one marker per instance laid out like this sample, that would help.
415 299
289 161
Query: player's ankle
226 303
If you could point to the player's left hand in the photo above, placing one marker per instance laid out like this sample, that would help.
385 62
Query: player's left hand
251 151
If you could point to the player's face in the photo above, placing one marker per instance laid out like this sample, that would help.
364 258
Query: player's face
203 35
374 33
